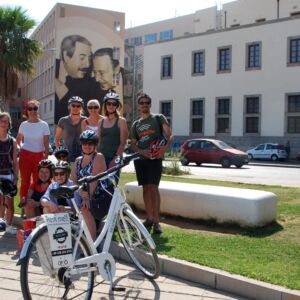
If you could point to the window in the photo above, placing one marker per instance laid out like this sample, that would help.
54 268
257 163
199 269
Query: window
252 115
45 107
294 51
223 115
150 38
166 35
293 114
51 105
253 56
138 40
166 110
117 26
198 59
197 116
166 67
224 59
15 113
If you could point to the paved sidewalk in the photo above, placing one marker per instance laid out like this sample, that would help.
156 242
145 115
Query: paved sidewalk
137 286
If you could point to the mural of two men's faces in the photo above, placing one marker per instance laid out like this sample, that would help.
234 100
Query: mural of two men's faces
81 72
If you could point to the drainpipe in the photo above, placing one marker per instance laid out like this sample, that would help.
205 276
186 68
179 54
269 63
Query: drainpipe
278 9
225 19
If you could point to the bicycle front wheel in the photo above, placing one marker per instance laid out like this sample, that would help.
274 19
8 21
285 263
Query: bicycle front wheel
39 280
135 241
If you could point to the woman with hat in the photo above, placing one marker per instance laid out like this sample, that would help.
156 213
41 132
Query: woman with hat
113 132
69 128
33 139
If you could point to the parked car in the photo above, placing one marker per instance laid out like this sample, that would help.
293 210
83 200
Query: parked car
298 156
268 151
211 151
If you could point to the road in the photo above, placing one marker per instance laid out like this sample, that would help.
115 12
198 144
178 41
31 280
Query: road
255 174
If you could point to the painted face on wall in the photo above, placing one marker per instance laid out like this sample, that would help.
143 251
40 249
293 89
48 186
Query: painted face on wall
79 64
103 71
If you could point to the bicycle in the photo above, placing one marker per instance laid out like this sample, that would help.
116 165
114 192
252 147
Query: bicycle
68 282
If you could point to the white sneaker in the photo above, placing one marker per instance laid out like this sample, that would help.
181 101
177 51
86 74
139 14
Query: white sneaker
11 230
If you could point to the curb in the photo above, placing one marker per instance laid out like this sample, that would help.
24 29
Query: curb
295 166
210 277
215 279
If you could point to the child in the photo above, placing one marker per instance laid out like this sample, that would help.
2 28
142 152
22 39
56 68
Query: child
61 173
37 189
61 153
8 172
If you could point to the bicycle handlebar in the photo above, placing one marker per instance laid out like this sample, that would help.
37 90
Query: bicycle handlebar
124 162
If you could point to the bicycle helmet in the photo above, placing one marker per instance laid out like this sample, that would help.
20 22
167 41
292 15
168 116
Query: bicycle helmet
89 135
76 99
45 163
61 150
62 165
111 95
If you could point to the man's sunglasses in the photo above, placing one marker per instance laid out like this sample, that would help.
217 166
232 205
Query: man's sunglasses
93 107
76 105
144 103
59 173
89 143
31 108
111 103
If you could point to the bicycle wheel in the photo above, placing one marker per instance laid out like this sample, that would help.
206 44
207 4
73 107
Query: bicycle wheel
137 246
39 280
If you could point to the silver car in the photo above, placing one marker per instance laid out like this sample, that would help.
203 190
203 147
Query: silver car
268 151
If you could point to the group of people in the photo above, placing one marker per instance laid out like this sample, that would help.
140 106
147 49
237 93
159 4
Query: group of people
84 146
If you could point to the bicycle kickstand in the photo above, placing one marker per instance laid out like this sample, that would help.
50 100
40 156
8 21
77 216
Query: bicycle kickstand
112 287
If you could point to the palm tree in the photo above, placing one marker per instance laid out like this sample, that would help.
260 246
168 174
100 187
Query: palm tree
17 52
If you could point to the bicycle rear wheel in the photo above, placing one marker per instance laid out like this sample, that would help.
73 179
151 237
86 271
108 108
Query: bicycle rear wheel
135 241
39 280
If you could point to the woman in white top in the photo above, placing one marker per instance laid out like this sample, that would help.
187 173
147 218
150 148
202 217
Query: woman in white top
94 119
33 139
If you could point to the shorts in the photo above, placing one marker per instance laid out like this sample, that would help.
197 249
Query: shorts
148 171
7 188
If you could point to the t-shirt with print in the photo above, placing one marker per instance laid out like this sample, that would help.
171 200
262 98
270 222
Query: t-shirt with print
71 136
145 131
33 135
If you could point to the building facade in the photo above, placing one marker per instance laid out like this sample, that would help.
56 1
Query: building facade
234 78
82 31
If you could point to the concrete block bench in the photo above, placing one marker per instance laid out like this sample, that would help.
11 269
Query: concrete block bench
245 207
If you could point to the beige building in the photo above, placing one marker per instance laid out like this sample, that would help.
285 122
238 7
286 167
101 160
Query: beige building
101 28
233 77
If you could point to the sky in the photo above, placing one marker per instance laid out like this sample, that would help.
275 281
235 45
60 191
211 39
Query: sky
137 12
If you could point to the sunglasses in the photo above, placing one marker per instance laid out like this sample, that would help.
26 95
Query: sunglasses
88 143
31 108
111 103
59 173
76 105
61 156
93 107
144 103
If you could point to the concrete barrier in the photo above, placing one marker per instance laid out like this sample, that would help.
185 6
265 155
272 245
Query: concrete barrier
245 207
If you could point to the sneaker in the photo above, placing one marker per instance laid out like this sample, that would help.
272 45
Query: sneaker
2 224
11 230
148 224
157 228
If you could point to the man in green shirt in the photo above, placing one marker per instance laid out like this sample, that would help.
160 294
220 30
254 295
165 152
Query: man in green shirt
151 137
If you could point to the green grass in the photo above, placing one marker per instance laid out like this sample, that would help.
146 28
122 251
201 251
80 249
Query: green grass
270 254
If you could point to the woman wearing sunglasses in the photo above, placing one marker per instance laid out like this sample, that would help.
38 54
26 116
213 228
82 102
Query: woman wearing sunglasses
94 118
113 130
33 139
69 128
93 204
